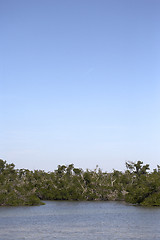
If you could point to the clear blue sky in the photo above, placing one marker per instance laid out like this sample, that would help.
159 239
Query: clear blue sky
79 83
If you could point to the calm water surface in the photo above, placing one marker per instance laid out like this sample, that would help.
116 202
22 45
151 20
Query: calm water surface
80 220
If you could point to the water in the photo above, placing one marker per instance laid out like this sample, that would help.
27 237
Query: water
80 220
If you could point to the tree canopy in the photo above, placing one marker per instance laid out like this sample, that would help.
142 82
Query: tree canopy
23 187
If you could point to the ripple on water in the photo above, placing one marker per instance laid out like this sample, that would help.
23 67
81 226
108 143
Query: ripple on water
80 220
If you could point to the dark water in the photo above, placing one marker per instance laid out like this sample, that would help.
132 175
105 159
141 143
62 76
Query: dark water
80 220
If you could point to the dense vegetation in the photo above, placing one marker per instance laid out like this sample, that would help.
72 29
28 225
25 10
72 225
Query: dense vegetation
23 187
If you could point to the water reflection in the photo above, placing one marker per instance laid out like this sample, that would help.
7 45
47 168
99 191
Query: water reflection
80 220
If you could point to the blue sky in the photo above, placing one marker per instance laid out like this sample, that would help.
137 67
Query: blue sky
79 83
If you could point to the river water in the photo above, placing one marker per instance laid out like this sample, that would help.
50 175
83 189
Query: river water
64 220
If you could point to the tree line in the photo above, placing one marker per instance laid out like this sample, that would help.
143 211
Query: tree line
24 187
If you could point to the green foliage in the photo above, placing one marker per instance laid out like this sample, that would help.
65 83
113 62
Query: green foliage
152 200
33 200
24 187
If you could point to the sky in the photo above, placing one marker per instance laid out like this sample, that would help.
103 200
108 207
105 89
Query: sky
79 83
